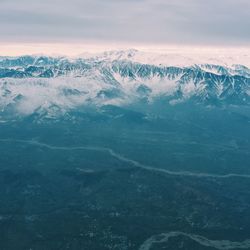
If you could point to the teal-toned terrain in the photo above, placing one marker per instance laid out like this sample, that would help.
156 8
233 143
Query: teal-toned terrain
102 154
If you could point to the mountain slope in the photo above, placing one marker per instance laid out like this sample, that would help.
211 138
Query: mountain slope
31 84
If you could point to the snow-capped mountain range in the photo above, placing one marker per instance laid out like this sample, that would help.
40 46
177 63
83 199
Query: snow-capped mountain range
53 86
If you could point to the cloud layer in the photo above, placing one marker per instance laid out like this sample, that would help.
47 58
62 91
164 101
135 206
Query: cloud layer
214 22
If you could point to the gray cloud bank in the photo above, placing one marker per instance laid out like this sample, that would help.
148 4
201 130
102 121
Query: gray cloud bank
208 22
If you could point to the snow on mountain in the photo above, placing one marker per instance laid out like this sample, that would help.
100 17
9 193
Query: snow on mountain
177 57
53 86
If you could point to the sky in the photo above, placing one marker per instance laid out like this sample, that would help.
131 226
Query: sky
75 25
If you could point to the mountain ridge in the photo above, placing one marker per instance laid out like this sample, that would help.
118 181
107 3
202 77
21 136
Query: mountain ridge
28 84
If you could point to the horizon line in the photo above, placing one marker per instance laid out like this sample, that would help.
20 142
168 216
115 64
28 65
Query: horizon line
77 48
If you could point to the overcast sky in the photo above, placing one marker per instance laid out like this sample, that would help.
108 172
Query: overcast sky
159 22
